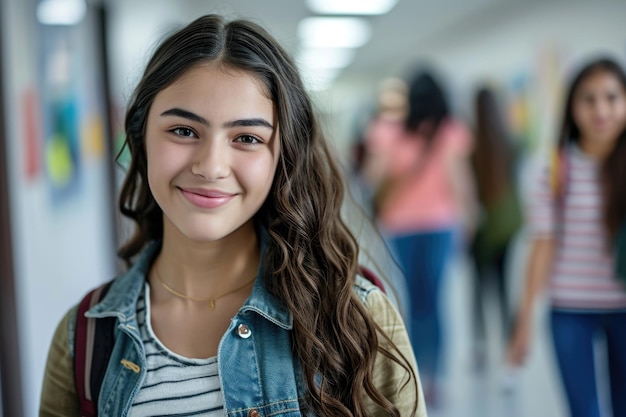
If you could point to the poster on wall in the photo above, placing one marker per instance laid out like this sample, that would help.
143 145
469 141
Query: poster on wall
72 125
520 110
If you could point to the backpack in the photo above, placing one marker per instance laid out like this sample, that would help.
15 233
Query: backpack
93 344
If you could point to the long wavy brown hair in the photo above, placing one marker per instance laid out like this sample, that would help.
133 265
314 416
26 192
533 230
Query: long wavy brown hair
311 257
613 169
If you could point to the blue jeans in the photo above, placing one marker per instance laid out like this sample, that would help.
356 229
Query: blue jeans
573 336
423 257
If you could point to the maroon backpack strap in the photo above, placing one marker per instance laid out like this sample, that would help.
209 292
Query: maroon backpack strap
83 352
372 277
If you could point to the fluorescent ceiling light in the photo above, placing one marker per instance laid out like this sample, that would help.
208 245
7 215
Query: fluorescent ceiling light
61 12
351 7
325 57
334 32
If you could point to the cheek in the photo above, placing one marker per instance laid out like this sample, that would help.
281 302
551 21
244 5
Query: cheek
258 173
153 159
581 114
621 110
154 175
163 162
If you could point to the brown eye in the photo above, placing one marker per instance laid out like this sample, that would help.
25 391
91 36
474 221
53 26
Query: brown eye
184 132
248 140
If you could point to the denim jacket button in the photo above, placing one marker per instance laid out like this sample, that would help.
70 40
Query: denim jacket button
253 413
244 332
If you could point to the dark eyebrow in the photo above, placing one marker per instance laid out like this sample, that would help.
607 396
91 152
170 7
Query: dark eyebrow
253 122
249 123
185 114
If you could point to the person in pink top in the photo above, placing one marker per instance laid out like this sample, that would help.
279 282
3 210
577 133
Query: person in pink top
422 199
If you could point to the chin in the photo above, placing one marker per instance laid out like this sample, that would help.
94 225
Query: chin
203 233
205 229
205 237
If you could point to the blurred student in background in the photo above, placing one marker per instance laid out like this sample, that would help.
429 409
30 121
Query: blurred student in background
385 115
578 218
419 202
494 161
386 124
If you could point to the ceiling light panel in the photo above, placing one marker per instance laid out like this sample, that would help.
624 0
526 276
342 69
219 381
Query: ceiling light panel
61 12
351 7
334 32
325 57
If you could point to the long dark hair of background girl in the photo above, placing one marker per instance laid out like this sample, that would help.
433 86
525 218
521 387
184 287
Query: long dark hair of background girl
311 257
427 105
493 157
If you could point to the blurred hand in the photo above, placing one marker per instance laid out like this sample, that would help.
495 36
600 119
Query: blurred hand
519 344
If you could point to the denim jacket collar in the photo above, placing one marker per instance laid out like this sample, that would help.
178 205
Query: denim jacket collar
121 299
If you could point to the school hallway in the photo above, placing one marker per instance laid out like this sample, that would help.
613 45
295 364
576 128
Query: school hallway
533 390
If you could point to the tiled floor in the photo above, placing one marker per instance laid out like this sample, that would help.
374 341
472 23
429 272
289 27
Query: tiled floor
533 390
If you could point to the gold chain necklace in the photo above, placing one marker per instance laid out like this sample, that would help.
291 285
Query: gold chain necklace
209 301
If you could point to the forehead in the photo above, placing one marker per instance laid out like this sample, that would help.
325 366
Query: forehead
207 85
600 78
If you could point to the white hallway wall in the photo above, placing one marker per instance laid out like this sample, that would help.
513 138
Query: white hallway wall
60 250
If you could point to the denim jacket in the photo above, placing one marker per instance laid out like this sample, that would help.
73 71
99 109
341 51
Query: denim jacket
255 350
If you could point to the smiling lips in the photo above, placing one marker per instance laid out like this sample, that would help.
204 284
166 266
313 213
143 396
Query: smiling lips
206 198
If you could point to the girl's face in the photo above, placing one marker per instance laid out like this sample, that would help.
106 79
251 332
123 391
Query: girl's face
212 149
599 108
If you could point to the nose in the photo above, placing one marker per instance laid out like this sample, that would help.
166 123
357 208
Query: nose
212 159
602 109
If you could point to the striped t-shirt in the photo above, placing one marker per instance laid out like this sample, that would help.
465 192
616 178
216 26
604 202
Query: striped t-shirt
174 385
582 276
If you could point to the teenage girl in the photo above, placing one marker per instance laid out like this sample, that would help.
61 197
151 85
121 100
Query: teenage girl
242 297
575 216
494 163
422 201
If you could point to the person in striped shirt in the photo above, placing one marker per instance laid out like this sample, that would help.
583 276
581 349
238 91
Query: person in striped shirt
578 207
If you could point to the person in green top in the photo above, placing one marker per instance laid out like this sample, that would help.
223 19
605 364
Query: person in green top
493 162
